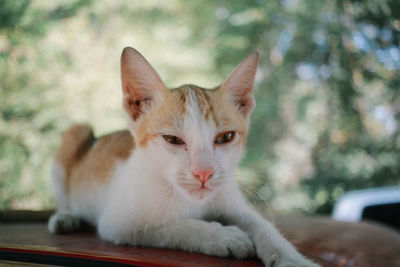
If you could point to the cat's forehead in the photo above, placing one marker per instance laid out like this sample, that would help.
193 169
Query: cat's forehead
207 107
194 99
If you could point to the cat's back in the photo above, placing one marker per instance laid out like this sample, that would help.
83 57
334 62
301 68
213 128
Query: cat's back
86 158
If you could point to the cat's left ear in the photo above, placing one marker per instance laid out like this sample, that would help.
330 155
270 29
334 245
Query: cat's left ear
239 85
141 85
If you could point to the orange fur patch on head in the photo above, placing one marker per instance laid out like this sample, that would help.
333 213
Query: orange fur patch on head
205 99
213 105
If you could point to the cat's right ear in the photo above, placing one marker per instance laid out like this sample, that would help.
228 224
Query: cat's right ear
140 83
239 85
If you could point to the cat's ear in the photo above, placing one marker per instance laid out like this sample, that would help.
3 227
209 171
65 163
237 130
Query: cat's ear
238 88
140 83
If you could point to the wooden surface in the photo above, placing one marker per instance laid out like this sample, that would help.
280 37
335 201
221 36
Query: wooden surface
343 244
325 241
35 239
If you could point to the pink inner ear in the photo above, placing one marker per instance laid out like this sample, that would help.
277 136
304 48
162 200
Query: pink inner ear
132 107
135 107
239 85
241 95
245 104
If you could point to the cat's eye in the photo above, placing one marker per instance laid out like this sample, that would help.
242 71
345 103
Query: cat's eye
225 137
173 140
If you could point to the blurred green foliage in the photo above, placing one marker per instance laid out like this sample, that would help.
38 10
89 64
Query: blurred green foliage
327 89
25 109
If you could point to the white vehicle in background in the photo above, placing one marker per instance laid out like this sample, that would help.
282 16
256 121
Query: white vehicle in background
376 204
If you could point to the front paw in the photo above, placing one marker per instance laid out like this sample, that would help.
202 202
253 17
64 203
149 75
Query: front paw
63 223
230 241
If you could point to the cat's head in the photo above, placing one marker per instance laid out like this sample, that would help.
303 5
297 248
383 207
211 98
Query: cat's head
193 136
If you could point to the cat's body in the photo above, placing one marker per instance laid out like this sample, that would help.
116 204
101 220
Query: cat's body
169 181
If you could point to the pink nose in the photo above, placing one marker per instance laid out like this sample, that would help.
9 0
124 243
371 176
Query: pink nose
203 175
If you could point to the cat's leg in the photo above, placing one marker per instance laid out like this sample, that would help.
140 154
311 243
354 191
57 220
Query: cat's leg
191 235
271 247
63 220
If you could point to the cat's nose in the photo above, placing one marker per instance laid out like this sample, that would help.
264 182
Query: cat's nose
203 175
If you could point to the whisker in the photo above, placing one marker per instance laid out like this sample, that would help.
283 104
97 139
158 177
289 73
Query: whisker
260 200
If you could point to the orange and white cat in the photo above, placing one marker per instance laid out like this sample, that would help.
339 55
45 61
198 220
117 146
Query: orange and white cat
169 181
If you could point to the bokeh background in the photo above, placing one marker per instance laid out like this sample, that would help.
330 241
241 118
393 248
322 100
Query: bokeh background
327 90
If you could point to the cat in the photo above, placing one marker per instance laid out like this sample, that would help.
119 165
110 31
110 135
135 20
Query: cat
168 181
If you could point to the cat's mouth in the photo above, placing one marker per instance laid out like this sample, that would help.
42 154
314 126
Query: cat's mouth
198 191
202 188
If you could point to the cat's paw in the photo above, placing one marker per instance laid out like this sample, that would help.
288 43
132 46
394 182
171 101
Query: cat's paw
231 241
62 223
